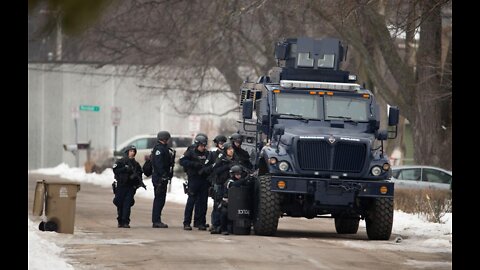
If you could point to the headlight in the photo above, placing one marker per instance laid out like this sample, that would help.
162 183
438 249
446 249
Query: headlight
386 166
283 166
272 160
376 170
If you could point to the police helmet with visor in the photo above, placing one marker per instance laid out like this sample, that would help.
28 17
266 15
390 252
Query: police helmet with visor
131 147
236 169
220 138
200 140
163 136
236 138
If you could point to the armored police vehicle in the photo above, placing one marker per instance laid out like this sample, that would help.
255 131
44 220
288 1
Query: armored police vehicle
314 136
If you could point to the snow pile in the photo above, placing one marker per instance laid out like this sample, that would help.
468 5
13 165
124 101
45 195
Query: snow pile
42 253
414 225
105 179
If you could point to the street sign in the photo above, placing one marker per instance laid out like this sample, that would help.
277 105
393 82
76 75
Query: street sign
75 113
91 108
116 115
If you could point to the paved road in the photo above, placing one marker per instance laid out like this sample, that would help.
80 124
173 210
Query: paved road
299 244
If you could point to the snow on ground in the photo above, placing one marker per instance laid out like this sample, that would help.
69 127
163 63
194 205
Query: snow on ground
43 253
105 179
410 232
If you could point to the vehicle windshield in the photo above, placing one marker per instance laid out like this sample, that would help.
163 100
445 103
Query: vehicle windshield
323 108
307 106
346 108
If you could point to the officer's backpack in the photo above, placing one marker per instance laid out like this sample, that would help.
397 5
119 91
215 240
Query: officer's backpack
148 167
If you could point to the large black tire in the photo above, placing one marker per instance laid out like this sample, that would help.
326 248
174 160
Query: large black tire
379 219
347 225
266 207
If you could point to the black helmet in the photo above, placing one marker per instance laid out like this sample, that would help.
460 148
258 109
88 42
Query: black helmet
236 137
200 139
227 145
130 147
220 138
201 134
163 136
236 169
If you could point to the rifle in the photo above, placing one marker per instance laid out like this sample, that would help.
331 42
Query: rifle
114 186
136 177
173 153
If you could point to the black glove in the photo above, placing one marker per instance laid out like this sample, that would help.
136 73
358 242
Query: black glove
141 184
185 187
114 186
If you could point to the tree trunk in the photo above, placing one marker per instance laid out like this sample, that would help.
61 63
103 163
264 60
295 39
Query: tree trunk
427 126
446 109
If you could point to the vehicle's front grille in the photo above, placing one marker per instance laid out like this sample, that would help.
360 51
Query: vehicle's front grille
314 155
349 157
320 155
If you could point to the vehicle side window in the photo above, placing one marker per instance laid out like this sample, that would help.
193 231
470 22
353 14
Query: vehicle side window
140 143
434 176
395 173
184 142
151 142
179 142
409 174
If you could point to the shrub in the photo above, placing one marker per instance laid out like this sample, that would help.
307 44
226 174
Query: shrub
432 203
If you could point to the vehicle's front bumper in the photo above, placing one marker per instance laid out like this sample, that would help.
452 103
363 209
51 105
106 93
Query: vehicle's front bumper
333 191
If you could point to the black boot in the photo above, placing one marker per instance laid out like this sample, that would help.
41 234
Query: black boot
159 225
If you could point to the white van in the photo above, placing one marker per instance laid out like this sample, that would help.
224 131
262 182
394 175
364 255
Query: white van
145 143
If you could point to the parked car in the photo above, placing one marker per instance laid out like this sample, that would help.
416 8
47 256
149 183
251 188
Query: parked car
146 142
421 177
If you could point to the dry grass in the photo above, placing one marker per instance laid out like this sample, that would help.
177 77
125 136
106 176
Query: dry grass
431 203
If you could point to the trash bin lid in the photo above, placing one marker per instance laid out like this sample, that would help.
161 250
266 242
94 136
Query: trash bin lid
39 198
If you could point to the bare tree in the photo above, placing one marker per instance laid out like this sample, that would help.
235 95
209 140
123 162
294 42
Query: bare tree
364 25
236 38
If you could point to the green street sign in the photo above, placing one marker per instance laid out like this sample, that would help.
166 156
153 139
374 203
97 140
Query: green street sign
89 108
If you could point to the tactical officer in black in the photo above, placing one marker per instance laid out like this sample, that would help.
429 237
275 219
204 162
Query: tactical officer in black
193 161
128 174
193 146
238 178
242 155
161 161
219 141
225 160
